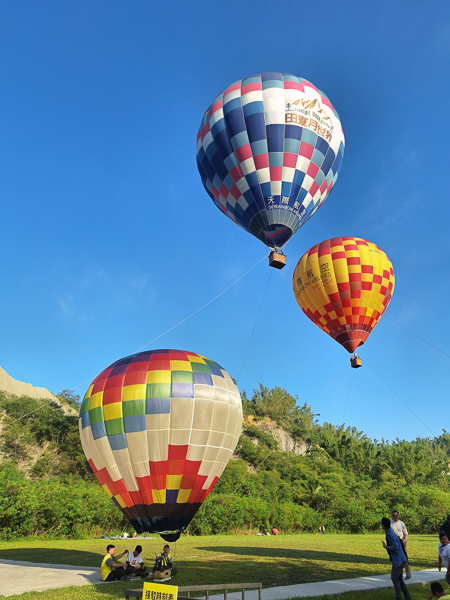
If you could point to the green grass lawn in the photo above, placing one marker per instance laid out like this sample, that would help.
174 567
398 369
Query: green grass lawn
272 560
115 591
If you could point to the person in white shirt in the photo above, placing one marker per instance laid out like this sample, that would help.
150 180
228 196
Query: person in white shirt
135 564
444 555
401 532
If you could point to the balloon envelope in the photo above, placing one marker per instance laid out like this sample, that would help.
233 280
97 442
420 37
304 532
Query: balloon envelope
158 429
344 285
269 150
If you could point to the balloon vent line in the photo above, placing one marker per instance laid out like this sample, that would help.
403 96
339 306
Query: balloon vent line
402 401
186 318
254 326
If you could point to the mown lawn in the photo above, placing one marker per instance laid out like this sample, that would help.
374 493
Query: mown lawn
418 592
272 560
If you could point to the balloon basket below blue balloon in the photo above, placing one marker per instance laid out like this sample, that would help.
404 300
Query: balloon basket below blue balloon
277 260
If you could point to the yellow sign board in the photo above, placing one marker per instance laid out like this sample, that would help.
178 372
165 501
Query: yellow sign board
158 591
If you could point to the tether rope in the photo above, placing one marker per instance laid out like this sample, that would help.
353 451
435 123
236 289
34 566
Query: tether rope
186 318
346 398
30 413
418 337
402 401
227 499
245 354
254 326
160 336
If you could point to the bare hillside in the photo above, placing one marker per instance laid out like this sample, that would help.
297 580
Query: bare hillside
18 388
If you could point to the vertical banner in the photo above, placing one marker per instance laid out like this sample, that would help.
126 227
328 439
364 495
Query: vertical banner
157 591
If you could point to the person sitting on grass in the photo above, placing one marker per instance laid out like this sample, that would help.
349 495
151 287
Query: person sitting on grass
135 564
164 560
111 569
437 591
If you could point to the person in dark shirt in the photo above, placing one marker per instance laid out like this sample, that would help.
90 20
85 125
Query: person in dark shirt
445 527
164 560
437 591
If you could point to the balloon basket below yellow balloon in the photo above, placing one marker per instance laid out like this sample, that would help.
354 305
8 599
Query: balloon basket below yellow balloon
355 362
277 260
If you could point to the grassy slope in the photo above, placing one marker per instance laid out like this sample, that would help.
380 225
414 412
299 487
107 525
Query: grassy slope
281 560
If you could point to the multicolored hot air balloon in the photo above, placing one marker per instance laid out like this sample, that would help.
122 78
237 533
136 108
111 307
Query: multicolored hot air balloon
344 285
158 429
269 150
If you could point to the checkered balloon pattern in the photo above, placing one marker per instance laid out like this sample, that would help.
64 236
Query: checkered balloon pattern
344 285
158 429
269 150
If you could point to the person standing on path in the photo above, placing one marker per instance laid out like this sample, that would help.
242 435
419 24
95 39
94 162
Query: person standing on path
400 530
394 548
444 555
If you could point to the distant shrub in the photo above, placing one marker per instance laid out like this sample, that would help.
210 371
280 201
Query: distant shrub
233 513
51 506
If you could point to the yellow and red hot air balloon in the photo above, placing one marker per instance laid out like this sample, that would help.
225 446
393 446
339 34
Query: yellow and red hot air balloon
158 428
344 285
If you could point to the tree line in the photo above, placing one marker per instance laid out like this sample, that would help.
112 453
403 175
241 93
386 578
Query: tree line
345 481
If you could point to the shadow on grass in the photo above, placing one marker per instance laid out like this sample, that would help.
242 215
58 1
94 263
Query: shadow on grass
277 553
310 555
54 556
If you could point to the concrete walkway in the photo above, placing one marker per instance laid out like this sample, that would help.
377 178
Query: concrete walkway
20 577
338 586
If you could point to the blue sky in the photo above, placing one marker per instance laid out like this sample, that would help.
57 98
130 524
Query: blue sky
108 238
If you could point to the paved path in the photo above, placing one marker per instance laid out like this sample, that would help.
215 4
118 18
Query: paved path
20 577
337 586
